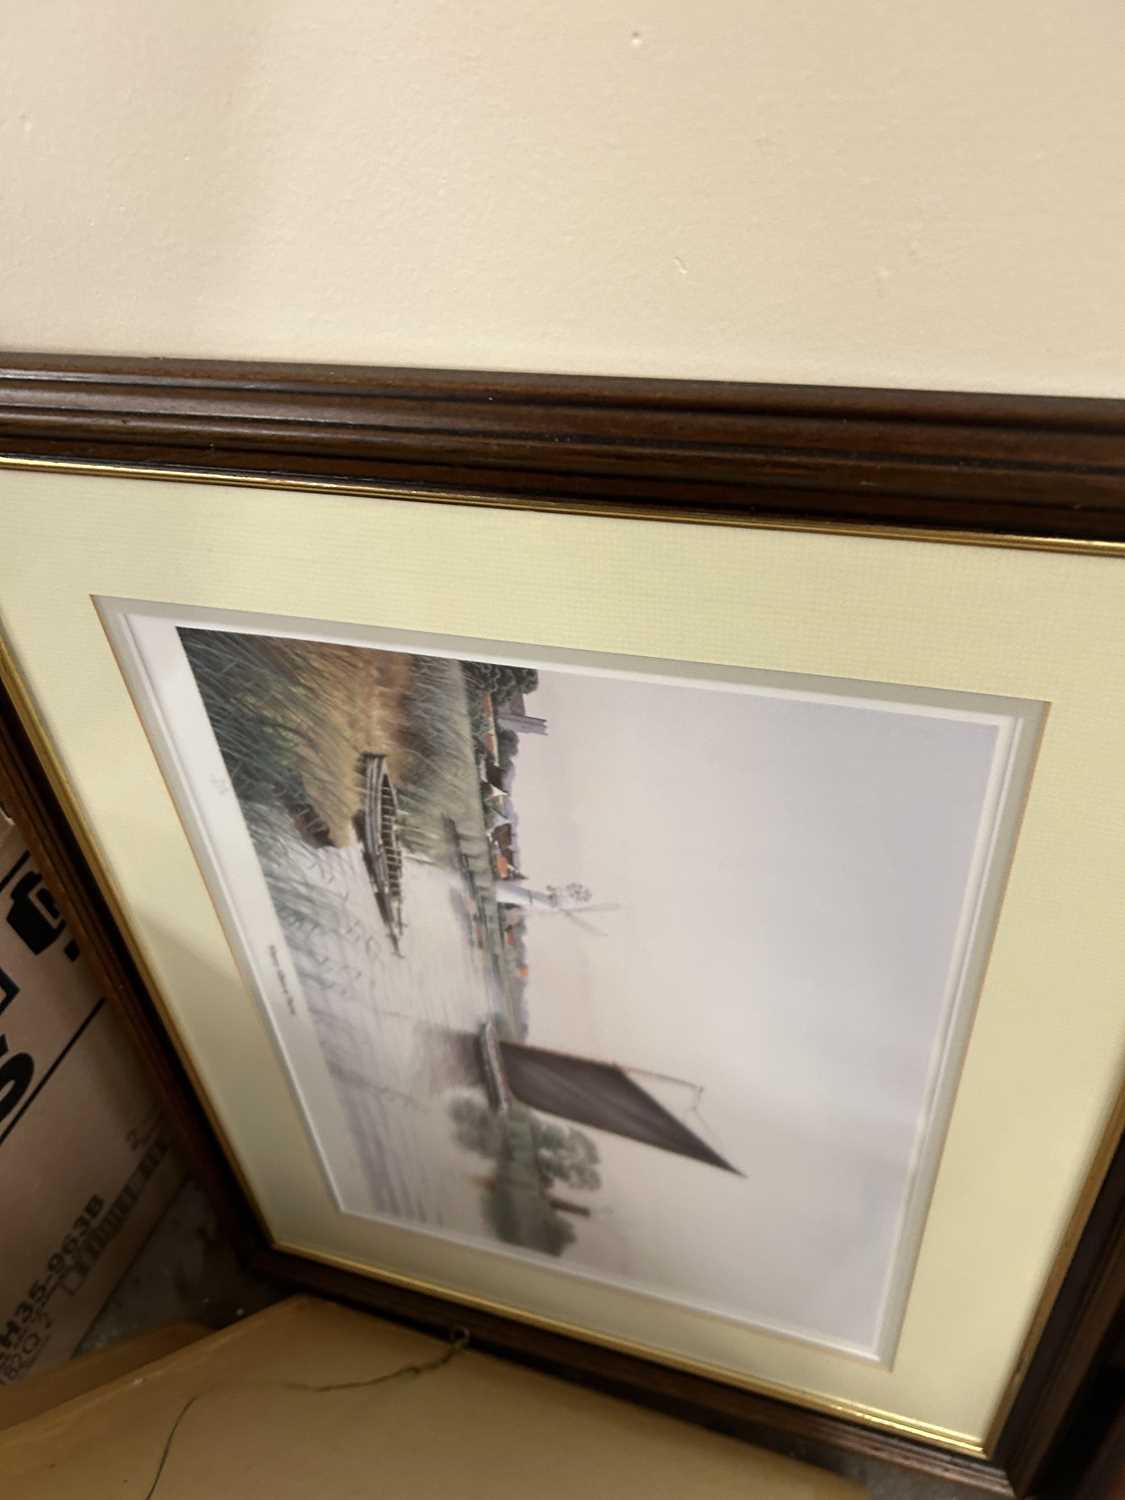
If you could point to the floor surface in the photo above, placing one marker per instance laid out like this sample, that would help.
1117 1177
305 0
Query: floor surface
188 1270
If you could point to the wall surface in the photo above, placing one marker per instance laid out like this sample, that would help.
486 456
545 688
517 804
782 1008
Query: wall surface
883 192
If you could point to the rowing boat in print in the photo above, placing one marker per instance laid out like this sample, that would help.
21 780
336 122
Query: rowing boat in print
378 826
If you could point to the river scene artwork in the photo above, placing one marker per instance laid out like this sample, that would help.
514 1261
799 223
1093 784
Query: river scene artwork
640 976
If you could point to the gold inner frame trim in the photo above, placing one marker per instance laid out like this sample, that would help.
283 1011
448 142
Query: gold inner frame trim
871 1416
1107 1145
856 1412
384 491
86 924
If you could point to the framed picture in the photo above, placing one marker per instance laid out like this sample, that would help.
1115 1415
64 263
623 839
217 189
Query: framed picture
655 904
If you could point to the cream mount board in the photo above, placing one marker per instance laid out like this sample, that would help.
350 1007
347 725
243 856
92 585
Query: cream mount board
1041 627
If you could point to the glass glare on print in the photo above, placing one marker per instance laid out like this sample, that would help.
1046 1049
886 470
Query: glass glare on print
658 973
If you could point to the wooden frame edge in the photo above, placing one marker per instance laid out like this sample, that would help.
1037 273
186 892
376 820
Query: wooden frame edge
1075 1334
1012 465
32 799
888 460
711 1403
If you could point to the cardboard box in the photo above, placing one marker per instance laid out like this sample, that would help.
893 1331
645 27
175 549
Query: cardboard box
24 1399
232 1415
86 1165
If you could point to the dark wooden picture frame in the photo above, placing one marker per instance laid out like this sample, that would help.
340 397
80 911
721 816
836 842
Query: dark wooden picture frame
978 469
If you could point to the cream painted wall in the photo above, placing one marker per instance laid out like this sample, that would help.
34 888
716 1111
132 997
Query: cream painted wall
889 192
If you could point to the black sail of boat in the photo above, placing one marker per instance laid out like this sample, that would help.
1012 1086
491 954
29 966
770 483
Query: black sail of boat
601 1095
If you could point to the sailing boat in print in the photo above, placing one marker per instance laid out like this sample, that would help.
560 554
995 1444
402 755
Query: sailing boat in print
588 1092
